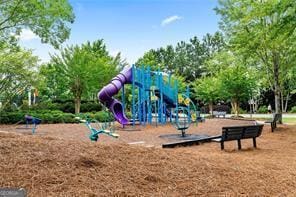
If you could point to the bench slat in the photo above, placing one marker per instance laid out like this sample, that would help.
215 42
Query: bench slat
240 132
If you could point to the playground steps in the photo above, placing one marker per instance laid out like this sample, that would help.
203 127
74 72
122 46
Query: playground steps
190 142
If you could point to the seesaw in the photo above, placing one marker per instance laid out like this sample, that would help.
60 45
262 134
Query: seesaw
94 135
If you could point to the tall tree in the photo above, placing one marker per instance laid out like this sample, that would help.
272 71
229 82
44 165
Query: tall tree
237 85
186 59
208 89
47 19
252 28
17 72
84 69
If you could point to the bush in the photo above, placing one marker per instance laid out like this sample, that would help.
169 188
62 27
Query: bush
262 109
90 107
47 116
129 114
45 106
240 111
103 116
293 110
67 107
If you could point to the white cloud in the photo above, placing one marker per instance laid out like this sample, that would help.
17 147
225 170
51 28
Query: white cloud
170 20
27 35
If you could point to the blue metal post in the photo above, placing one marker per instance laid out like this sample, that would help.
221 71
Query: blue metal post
149 95
161 98
188 107
139 95
143 95
133 94
123 98
177 101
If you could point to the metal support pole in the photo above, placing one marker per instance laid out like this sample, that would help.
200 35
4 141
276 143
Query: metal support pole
133 94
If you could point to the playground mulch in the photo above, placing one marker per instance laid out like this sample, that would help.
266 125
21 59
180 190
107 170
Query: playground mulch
61 161
148 136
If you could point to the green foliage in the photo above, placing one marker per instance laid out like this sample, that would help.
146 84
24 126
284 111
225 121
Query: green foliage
47 116
16 72
237 83
186 59
230 79
262 31
67 107
262 109
103 116
240 111
47 19
207 89
293 109
80 71
90 107
51 116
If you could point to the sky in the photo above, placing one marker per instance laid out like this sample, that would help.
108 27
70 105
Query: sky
133 27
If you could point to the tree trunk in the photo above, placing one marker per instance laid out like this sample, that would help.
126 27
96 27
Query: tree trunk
276 84
235 106
286 104
77 105
282 101
211 108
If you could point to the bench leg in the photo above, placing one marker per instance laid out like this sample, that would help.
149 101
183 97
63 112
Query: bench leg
222 145
254 142
239 144
271 127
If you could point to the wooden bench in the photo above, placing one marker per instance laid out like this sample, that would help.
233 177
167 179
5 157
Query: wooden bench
240 132
273 121
219 113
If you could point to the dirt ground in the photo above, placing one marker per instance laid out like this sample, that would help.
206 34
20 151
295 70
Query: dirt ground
60 160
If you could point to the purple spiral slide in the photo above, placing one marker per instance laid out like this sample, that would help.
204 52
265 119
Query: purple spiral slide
106 94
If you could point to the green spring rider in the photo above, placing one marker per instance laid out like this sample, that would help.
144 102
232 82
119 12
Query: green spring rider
106 128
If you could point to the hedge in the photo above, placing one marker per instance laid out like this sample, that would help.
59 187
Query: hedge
262 109
51 116
293 110
67 107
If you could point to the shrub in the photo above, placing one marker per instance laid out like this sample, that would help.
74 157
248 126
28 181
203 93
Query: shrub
103 116
67 107
262 109
90 107
293 109
241 111
129 114
47 116
46 105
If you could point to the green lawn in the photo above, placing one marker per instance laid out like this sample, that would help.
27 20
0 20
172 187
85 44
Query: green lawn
289 120
285 120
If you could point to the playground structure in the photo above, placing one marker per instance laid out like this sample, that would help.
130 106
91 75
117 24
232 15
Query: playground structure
30 120
155 98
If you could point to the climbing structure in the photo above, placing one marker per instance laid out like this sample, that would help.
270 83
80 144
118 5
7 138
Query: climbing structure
154 96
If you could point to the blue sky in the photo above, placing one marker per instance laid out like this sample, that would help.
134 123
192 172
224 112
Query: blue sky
132 27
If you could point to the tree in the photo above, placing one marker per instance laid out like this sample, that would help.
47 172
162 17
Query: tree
17 72
237 85
51 84
47 19
186 59
253 29
208 89
84 69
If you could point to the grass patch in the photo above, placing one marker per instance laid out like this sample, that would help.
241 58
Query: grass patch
285 120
